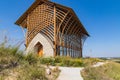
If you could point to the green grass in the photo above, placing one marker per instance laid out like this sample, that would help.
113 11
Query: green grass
109 71
68 61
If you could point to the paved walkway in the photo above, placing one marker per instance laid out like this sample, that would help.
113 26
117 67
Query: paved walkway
69 73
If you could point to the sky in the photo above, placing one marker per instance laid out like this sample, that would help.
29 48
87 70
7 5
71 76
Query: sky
101 18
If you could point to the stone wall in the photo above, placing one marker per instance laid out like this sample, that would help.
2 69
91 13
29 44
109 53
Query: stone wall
47 45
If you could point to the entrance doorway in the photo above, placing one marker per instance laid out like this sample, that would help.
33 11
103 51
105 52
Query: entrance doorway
39 49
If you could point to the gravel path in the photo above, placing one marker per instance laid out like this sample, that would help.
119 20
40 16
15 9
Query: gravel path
69 73
99 64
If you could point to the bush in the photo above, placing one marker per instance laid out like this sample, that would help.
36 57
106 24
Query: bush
59 59
31 58
48 61
68 61
62 61
77 62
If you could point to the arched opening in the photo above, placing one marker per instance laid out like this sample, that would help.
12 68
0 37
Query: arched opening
39 49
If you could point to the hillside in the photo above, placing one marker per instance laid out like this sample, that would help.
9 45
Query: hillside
109 71
16 66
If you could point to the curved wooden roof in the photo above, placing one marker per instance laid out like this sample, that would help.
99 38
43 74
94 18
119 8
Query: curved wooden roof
38 2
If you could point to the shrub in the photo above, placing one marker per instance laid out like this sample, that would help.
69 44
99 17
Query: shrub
59 59
48 61
77 63
68 61
31 58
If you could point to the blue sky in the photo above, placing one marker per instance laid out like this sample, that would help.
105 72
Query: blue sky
101 19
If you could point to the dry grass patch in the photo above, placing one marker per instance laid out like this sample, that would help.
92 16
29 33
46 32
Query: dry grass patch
16 66
109 71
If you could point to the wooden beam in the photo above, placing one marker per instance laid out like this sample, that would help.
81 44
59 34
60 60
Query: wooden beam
55 32
27 30
69 27
62 21
65 26
81 47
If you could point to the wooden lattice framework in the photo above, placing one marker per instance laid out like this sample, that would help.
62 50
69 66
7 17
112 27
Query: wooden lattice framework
58 23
